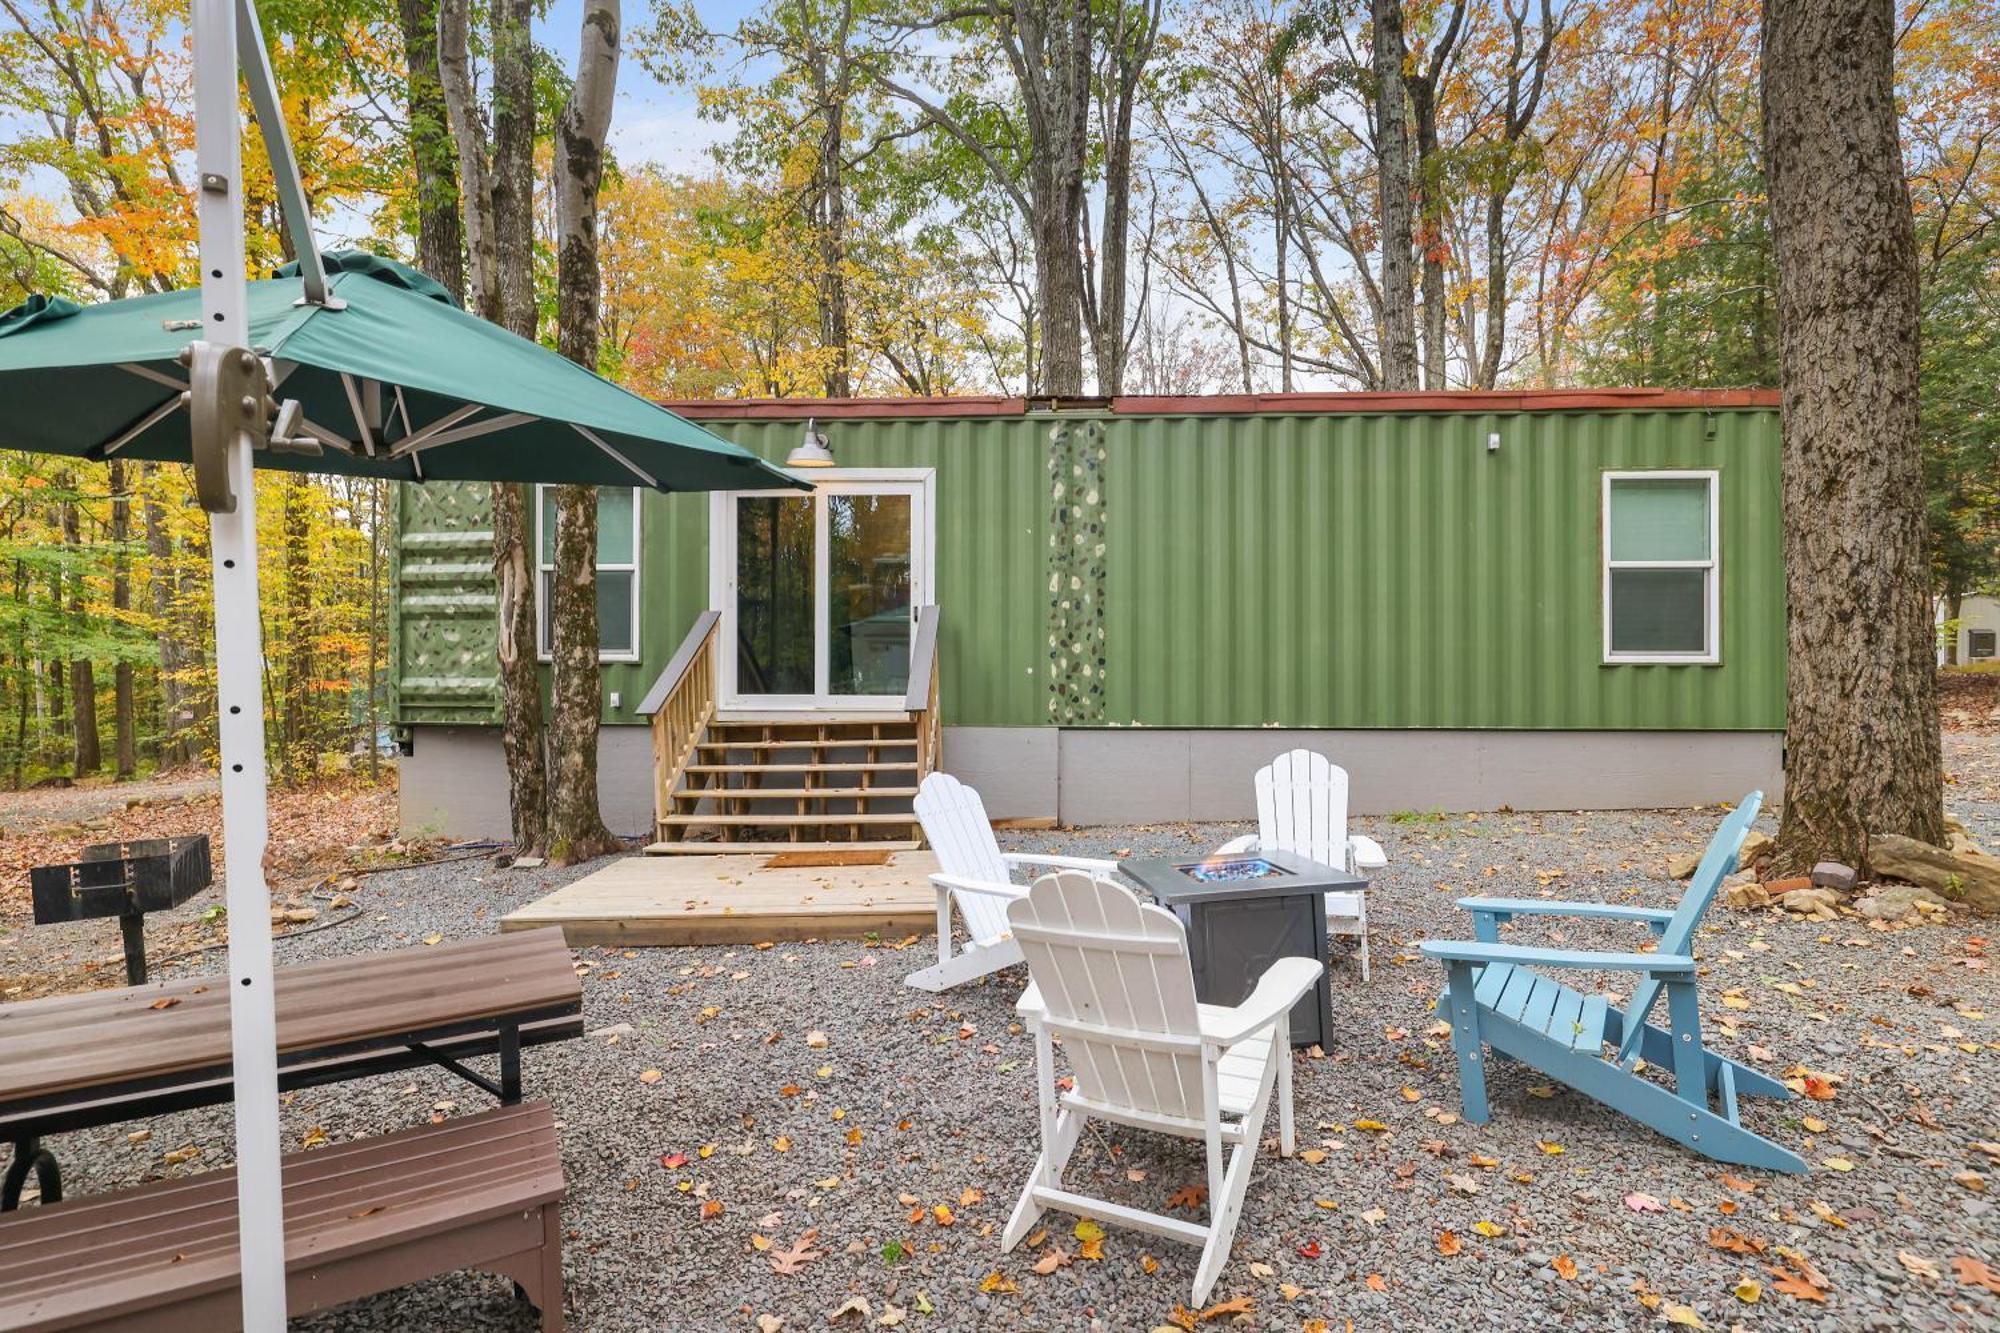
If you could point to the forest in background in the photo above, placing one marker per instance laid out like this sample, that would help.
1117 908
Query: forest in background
1043 197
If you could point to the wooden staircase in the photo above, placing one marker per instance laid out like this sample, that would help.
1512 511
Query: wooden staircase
813 781
810 782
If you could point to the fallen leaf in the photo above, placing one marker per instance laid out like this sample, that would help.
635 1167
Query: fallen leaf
1051 1261
1798 1288
769 1323
996 1281
800 1253
1312 1156
432 939
1189 1197
1682 1315
1827 1215
1374 1282
1838 1164
816 1040
1975 1273
1644 1203
892 1315
710 1208
1552 1149
1372 1126
651 1076
1310 1250
1565 1267
1739 1183
1917 1264
165 1002
1748 1290
855 1305
1735 1242
1449 1244
1087 1230
1490 1230
1223 1309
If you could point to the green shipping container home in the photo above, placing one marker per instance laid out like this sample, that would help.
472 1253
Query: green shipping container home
1117 610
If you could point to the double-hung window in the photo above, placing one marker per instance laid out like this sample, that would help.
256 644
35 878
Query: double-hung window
617 571
1662 567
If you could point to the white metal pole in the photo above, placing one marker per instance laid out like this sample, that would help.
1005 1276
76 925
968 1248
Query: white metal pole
253 1030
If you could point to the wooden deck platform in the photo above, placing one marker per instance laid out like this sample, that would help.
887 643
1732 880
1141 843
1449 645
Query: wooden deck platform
738 900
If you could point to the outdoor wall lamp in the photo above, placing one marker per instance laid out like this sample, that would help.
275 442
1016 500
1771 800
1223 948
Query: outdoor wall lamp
1493 442
811 450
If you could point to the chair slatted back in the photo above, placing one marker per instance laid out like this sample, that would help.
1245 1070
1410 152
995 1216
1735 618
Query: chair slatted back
1302 807
1117 986
955 824
1717 864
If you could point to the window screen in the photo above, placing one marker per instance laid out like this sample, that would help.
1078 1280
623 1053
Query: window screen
1660 567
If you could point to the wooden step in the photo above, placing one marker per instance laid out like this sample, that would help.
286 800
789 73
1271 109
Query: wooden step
788 821
773 848
790 793
887 716
909 764
878 742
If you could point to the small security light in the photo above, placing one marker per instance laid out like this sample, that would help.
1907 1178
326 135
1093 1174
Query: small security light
811 450
1493 442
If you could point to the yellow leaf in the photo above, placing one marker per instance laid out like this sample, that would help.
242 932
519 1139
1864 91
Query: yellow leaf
433 939
1838 1164
1372 1126
944 1215
759 1243
1092 1250
996 1281
1680 1314
1542 1090
781 1144
1552 1149
1148 1264
1748 1290
1088 1230
706 1151
1813 1124
1489 1229
1312 1156
1412 1095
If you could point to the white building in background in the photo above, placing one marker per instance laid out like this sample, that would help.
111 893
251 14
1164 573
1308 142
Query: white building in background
1978 630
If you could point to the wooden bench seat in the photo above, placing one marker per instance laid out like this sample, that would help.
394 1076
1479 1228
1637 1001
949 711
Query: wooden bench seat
1563 1015
478 1191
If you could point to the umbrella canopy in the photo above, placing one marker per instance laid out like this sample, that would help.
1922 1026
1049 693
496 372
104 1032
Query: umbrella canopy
393 379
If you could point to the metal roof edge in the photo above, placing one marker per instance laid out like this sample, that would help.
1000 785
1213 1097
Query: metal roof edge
1237 404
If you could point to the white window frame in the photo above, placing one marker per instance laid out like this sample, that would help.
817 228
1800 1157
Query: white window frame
544 643
1711 655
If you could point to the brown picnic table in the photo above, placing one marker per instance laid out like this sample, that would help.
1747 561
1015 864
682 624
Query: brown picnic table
73 1062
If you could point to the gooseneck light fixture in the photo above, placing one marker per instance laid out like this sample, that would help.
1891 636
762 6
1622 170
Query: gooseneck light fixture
811 450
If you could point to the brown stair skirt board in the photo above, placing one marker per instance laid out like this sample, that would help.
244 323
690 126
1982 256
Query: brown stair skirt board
480 1191
735 847
815 860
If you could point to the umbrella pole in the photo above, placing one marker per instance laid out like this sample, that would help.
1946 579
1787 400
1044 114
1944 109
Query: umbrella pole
239 711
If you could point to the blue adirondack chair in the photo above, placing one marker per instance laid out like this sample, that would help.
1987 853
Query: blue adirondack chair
1496 1000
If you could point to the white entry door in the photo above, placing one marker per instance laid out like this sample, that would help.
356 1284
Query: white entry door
816 591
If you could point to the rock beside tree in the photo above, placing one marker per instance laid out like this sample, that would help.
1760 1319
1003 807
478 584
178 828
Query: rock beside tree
1963 875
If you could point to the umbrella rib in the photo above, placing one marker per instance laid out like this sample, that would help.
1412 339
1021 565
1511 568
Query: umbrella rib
414 440
434 438
148 373
360 417
325 436
629 465
141 426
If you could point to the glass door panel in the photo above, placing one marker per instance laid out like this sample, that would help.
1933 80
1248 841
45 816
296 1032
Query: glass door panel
775 652
868 594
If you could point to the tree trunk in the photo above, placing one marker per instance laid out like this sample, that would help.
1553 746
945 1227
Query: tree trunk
1861 739
513 181
521 737
296 755
576 828
174 745
1392 152
124 723
440 231
468 131
88 754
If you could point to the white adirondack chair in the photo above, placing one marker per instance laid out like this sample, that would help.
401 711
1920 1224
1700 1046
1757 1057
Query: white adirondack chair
1302 809
977 876
1110 977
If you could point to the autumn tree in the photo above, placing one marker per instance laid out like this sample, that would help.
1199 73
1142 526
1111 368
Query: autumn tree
1862 749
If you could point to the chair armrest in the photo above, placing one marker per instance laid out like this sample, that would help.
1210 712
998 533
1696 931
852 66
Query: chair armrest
1281 986
1100 865
1365 853
1471 951
1656 917
986 887
1249 842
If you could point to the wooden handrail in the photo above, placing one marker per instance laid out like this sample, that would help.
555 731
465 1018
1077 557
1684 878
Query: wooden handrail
921 699
681 703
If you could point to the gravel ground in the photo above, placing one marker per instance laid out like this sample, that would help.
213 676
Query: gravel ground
917 1101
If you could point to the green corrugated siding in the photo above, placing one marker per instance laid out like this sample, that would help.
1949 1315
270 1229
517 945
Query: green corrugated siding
1387 571
1313 571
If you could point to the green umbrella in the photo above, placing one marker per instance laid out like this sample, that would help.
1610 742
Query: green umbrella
392 380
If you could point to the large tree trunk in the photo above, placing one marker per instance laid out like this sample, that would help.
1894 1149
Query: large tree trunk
124 723
440 231
576 828
1392 153
1861 738
296 751
175 745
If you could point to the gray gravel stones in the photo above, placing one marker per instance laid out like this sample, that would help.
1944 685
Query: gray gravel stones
917 1101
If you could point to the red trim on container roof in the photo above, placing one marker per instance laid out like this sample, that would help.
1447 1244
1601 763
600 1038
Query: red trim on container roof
1231 404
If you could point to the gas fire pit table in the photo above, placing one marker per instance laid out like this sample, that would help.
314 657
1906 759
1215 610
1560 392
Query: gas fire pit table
1243 912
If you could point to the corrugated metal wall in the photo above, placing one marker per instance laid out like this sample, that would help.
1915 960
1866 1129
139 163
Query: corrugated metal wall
1388 571
1309 571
